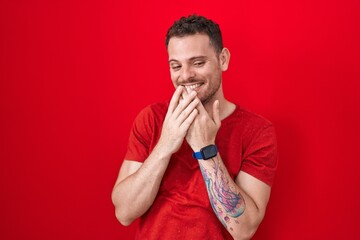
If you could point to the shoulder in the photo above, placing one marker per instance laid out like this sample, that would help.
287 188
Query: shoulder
249 119
153 112
158 108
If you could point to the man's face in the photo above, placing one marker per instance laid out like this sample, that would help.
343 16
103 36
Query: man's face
195 65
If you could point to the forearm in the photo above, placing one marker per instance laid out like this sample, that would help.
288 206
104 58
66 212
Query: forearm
233 207
134 195
135 191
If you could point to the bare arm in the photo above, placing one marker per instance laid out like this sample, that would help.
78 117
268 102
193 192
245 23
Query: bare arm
138 184
239 205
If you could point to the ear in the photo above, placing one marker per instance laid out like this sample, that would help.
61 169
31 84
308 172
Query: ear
224 59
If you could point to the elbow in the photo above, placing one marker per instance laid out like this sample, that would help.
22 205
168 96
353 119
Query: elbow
247 229
121 214
245 235
122 217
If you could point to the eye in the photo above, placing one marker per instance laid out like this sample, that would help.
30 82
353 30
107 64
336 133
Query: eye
199 63
175 67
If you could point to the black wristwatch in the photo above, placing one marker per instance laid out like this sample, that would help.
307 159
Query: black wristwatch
206 152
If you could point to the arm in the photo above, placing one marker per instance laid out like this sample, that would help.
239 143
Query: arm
239 204
138 184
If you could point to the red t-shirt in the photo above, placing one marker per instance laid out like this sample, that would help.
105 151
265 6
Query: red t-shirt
182 208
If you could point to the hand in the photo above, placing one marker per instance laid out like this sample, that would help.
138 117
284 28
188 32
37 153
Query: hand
204 128
177 121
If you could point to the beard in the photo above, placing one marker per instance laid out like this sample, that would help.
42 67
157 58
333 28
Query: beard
210 92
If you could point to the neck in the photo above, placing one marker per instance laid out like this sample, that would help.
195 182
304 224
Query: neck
226 107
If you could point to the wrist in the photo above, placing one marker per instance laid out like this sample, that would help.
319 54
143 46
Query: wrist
198 147
164 149
207 152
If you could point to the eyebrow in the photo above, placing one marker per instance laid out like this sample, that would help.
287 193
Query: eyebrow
190 59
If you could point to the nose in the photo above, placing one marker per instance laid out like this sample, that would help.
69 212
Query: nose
186 73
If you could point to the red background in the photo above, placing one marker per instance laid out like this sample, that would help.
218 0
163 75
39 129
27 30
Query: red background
75 74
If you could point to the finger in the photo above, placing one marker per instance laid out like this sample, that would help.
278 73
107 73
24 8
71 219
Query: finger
188 90
187 111
175 99
201 109
184 93
183 104
216 113
188 121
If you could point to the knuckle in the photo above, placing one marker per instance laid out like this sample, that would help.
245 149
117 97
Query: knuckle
184 114
180 105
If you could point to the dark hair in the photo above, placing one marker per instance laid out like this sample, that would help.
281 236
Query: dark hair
196 24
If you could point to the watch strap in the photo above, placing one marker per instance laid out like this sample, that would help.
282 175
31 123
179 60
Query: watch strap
197 155
206 153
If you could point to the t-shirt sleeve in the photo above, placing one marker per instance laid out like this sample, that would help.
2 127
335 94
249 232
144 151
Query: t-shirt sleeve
260 158
141 136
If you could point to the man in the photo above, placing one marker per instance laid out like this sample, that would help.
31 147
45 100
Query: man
199 166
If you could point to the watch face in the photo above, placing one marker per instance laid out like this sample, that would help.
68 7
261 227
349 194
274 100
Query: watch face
209 152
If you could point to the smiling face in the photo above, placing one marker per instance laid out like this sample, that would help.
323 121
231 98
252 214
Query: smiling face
195 64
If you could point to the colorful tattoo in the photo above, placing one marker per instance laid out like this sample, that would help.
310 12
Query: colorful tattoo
226 203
